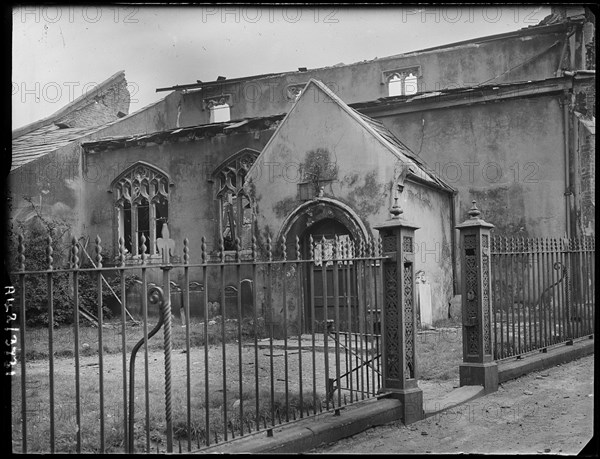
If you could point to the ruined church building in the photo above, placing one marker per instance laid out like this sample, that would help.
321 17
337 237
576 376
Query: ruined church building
507 121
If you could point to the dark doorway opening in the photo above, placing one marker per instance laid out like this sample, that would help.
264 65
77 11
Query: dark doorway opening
320 293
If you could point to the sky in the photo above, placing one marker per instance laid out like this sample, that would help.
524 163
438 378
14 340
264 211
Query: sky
60 52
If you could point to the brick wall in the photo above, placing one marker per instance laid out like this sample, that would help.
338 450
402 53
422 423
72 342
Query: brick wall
107 105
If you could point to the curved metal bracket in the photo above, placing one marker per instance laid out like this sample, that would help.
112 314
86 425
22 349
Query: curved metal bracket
155 296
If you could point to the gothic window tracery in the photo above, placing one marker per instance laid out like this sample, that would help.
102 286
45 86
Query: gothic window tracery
402 82
142 204
235 207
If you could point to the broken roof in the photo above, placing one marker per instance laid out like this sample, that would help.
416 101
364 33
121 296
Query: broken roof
85 99
47 135
471 94
34 145
531 30
183 134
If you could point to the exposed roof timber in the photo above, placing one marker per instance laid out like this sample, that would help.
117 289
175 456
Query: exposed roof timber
531 30
200 84
174 135
72 106
462 96
537 30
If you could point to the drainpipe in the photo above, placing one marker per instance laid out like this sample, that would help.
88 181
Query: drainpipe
567 192
576 181
455 286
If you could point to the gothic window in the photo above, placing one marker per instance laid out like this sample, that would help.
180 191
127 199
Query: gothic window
235 209
402 82
141 201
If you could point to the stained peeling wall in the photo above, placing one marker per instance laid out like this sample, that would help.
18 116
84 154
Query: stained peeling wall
358 172
508 155
190 165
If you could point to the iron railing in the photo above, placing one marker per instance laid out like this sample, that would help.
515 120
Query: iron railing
267 344
543 292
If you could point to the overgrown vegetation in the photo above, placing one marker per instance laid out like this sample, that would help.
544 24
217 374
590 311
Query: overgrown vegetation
38 249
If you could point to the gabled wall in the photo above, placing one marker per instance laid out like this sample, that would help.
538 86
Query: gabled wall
362 172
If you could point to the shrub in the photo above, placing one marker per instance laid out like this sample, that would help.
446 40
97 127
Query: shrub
35 234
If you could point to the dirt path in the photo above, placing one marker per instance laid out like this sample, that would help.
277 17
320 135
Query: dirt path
544 412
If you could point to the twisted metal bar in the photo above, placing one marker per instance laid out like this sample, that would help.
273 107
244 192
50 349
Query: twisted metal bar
166 310
156 296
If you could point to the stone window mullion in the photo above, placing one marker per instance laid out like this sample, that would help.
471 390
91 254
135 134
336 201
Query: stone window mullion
134 229
152 242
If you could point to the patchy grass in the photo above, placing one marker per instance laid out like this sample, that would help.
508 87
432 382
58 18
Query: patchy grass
439 354
36 339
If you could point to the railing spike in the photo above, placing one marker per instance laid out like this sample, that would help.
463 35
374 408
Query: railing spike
98 252
283 248
49 252
21 257
186 251
143 248
298 254
203 250
269 249
311 248
74 253
121 251
335 248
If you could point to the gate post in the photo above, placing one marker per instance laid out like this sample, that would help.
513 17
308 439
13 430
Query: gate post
478 367
399 315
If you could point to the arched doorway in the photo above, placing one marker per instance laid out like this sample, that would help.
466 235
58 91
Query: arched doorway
320 288
324 219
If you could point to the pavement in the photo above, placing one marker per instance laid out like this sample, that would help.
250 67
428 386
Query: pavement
544 412
544 405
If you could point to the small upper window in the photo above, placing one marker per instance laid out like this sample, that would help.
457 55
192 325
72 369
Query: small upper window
220 113
402 82
219 108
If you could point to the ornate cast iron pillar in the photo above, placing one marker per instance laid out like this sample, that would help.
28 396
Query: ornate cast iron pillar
399 316
478 367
